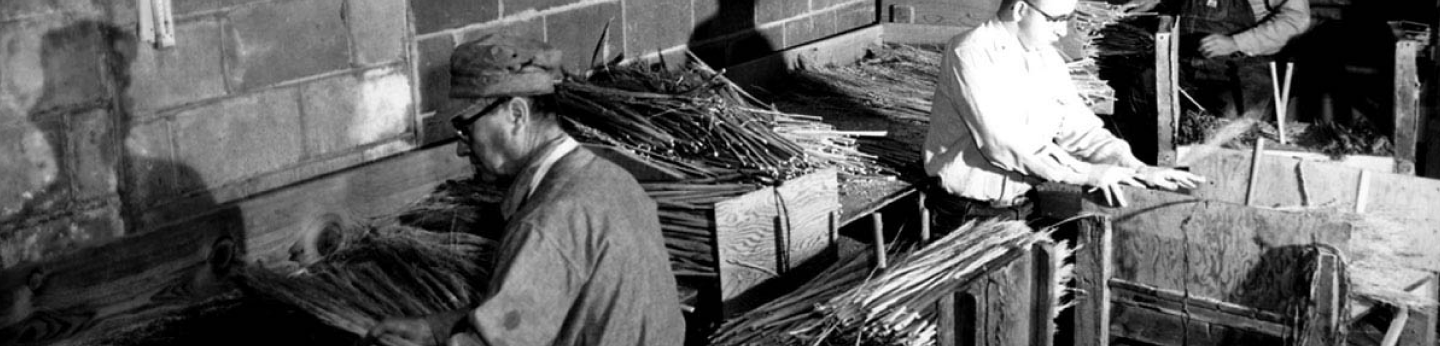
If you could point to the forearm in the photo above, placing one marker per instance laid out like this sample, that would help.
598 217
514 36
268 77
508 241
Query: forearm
1275 29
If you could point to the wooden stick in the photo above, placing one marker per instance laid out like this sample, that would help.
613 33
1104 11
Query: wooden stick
1397 326
1284 101
1362 191
1279 104
1254 171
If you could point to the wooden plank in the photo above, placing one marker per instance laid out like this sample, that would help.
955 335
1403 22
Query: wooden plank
1166 102
1322 319
841 49
752 250
1045 297
1406 104
1198 309
1092 265
1223 250
1009 303
1401 218
1149 326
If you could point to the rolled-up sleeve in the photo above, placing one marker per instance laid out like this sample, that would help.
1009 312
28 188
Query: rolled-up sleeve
1275 27
993 106
532 289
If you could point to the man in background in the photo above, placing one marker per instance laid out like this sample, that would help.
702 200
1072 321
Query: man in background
1006 116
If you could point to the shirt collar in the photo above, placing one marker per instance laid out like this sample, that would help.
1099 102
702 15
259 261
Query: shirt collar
530 177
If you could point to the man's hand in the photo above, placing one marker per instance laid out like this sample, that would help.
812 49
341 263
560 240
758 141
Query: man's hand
1108 182
1168 179
1137 6
402 331
1217 45
420 331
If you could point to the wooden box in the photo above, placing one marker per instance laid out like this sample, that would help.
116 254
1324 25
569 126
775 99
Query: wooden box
762 236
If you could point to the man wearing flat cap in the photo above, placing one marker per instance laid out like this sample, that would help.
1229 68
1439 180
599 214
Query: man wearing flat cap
582 261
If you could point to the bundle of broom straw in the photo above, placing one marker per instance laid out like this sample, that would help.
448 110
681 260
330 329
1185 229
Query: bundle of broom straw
844 306
375 272
697 122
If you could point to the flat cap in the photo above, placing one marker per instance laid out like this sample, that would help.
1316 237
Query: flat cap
502 65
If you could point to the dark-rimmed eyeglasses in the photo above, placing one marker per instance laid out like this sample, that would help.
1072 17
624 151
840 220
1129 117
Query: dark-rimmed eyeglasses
1054 19
461 122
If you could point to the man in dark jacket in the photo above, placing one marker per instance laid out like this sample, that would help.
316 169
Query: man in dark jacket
582 261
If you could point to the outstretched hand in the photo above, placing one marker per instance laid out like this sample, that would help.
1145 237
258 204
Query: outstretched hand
1168 179
402 331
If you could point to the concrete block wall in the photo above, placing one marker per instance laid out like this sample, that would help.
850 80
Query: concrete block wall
98 122
720 32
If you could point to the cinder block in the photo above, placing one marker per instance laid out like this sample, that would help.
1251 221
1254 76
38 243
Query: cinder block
854 15
770 11
533 28
187 72
15 9
378 28
718 18
435 72
800 31
654 25
55 63
760 43
577 32
184 7
31 157
825 24
150 175
94 154
436 15
238 137
517 6
279 41
350 111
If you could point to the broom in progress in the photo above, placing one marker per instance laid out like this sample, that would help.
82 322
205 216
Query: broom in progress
849 305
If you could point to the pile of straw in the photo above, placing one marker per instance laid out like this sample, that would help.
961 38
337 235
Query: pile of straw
847 304
894 81
382 271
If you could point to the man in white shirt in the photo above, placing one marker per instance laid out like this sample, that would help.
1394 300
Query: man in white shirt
1006 116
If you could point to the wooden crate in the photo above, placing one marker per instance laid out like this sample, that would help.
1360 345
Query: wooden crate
764 235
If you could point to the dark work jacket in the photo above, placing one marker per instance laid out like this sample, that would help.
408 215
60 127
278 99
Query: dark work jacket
582 262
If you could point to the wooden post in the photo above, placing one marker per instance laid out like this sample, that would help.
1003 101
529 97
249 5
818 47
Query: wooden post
877 225
1045 299
1407 104
1167 107
1092 276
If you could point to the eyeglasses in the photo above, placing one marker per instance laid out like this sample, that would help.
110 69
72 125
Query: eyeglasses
461 122
1054 19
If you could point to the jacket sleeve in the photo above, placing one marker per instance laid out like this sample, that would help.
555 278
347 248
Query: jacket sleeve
533 286
1277 26
992 106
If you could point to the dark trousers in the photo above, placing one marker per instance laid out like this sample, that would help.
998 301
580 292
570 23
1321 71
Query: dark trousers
948 212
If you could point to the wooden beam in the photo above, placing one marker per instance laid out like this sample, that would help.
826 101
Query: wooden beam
1092 273
1406 104
1167 105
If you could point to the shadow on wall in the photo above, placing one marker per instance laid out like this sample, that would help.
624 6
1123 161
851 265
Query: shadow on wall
728 36
174 247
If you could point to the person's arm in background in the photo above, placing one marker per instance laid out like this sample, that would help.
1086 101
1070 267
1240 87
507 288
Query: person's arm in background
1282 20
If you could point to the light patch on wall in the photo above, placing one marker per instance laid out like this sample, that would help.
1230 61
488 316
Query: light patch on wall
22 77
385 103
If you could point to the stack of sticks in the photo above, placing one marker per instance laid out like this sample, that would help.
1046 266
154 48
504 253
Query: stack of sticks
684 209
377 272
894 81
696 122
849 304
